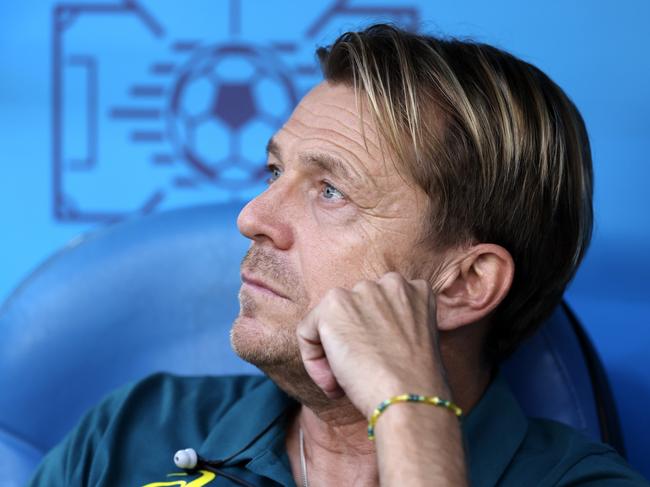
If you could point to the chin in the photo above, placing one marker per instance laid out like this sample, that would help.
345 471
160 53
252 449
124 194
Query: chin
274 350
263 344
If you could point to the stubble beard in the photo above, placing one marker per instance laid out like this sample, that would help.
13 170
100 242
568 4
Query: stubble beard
267 338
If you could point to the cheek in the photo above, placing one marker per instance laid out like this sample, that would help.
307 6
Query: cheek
339 259
342 252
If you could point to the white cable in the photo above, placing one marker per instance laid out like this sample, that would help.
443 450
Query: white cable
303 461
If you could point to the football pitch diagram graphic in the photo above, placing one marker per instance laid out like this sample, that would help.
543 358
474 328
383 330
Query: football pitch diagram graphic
162 104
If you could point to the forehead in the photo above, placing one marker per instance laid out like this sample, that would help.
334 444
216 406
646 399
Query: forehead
330 118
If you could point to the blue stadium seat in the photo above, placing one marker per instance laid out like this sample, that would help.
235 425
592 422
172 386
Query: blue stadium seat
159 293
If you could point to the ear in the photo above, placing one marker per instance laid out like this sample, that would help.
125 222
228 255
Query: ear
474 286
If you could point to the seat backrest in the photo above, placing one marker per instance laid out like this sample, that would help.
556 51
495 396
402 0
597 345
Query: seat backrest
557 374
160 293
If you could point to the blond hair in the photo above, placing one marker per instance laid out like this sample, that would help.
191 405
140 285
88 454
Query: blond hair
498 147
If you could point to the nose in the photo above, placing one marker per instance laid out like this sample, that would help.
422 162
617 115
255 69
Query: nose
265 218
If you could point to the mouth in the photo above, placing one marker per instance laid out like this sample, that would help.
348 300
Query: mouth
260 286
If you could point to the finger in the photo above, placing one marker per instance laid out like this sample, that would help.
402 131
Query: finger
393 277
314 358
321 373
395 285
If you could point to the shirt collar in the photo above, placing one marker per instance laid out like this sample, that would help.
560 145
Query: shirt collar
261 408
252 432
493 431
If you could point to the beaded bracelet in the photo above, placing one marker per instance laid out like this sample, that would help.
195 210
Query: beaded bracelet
432 400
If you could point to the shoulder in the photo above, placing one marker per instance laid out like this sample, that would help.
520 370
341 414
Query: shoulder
163 389
558 455
556 440
172 394
179 409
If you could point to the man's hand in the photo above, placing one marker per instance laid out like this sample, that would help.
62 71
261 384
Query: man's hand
374 341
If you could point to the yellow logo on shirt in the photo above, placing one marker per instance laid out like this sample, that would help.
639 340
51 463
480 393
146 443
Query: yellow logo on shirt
205 478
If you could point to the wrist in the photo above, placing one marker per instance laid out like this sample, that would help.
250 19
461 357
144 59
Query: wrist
430 437
413 399
399 390
392 388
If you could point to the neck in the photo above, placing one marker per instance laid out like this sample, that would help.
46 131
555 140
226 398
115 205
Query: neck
336 447
335 433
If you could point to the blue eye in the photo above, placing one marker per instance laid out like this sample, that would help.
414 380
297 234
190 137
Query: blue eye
274 173
330 192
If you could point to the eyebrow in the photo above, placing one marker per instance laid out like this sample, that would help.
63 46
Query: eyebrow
323 161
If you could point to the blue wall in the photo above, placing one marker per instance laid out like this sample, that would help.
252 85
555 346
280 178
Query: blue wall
103 113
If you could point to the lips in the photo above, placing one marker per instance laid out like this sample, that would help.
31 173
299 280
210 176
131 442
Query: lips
256 282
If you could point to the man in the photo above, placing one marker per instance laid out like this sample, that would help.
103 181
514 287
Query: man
428 203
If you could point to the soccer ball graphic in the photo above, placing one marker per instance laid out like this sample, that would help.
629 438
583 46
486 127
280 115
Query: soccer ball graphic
227 102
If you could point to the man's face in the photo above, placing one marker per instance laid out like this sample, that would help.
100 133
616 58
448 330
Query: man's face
335 212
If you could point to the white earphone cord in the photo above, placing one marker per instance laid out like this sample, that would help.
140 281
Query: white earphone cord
303 461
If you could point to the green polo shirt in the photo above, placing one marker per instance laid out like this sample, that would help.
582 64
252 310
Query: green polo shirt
131 437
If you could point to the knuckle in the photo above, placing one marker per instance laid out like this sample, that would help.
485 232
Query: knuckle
324 329
364 284
421 285
335 294
392 280
334 291
393 276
